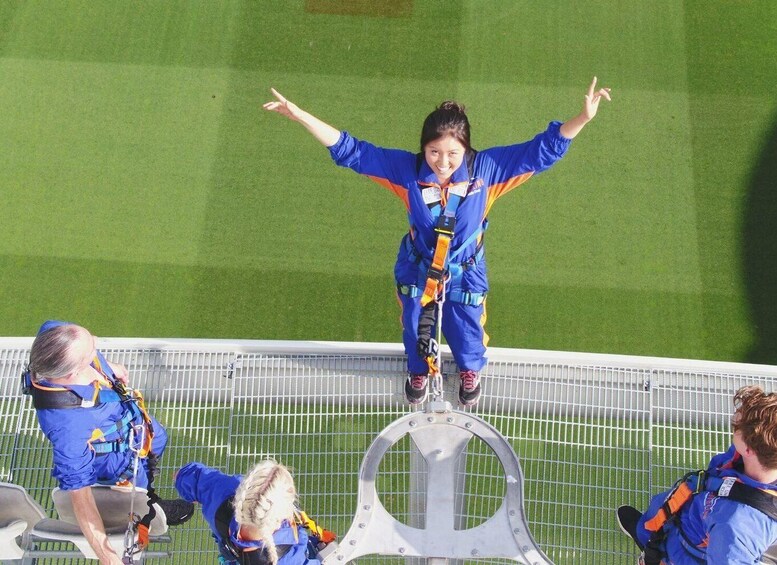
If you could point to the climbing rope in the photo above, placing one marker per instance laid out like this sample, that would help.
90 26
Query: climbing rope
133 546
434 358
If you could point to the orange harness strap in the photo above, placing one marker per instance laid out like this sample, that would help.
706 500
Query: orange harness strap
446 225
437 268
682 494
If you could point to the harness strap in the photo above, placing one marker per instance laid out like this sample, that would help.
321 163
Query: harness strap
49 397
445 226
223 517
98 443
426 323
135 411
456 295
675 500
43 399
322 535
692 484
467 297
729 487
441 259
471 239
445 229
455 268
145 522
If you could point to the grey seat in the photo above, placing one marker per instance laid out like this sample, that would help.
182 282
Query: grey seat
113 504
18 514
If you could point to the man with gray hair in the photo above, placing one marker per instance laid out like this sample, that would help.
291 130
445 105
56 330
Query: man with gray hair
96 425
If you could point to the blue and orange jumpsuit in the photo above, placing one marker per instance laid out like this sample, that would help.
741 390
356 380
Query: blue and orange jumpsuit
713 529
196 482
76 463
495 172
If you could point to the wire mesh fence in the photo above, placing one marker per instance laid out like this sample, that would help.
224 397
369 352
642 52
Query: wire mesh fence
591 432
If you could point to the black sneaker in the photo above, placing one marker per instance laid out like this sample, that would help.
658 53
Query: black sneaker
415 388
469 389
177 510
628 516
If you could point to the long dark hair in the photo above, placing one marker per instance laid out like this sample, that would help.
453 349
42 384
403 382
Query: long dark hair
447 119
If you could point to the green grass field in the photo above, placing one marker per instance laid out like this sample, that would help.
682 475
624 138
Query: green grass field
146 193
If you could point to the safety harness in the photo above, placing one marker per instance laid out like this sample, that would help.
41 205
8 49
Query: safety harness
443 263
48 397
230 552
135 431
683 492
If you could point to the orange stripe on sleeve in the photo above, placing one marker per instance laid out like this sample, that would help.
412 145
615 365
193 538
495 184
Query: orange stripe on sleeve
497 190
397 189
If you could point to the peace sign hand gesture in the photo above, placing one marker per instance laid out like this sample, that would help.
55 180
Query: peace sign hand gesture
593 98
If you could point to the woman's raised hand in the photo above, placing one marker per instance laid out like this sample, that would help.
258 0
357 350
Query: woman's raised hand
283 106
322 131
593 98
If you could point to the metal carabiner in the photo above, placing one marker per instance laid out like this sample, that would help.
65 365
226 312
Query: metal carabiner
137 437
435 373
434 344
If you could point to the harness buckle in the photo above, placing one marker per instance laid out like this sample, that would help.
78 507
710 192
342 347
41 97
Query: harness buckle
700 481
446 225
410 290
435 274
26 380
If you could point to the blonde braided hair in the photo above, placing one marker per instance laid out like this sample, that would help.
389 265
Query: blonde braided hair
265 498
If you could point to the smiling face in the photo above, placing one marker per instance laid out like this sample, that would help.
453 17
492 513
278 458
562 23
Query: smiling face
444 155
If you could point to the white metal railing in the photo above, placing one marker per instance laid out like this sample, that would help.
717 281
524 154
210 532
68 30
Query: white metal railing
591 431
